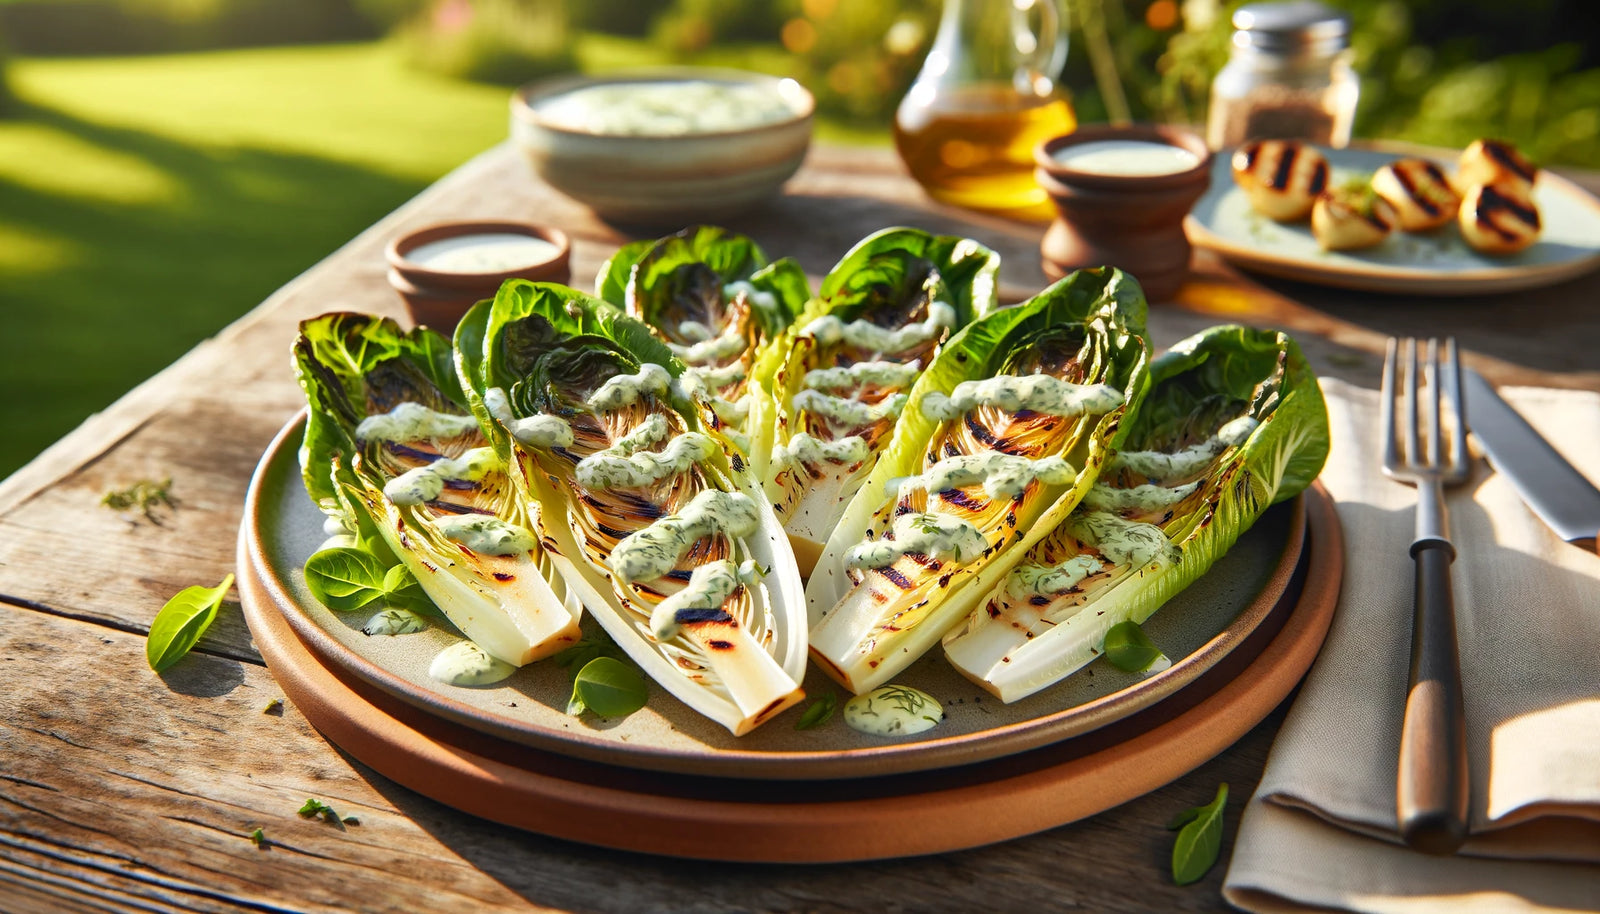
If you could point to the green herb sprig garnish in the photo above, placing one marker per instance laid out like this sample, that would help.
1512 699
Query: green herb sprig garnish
146 495
179 625
1199 839
818 713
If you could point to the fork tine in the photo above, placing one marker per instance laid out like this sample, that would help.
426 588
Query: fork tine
1391 446
1458 405
1413 430
1434 405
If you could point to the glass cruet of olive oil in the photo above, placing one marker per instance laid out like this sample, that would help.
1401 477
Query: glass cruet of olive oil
986 96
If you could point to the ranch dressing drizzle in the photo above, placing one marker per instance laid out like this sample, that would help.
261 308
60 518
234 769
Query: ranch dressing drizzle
626 389
829 330
937 536
425 483
1190 460
810 449
1102 497
734 412
1039 393
412 422
1123 541
766 301
1002 475
466 664
700 600
893 710
849 411
1046 580
487 535
725 345
609 469
535 431
647 554
884 374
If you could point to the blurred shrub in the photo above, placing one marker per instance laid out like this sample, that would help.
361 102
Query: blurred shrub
616 17
7 100
58 27
860 58
687 26
496 41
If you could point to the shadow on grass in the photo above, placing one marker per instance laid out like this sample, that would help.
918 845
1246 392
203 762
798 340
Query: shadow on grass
144 282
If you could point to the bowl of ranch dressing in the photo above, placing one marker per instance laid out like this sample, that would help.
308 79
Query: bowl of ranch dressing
664 146
445 268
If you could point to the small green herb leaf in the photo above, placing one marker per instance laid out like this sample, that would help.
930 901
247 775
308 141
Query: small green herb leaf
1129 648
274 707
145 495
609 688
181 622
258 838
394 622
345 579
1200 841
819 713
578 656
314 807
351 820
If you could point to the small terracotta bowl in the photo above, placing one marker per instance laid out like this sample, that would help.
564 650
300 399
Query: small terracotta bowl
439 298
1134 222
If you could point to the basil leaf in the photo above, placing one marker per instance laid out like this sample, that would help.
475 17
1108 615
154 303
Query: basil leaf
180 623
394 622
578 656
1200 841
819 713
397 578
609 688
1129 648
344 579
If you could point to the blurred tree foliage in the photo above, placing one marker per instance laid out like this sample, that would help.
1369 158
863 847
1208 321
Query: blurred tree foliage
1438 71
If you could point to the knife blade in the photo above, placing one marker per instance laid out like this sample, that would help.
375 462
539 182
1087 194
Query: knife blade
1557 492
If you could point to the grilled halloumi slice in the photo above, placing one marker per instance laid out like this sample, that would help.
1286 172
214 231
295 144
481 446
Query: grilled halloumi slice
1420 193
1281 177
1499 218
1351 217
1492 162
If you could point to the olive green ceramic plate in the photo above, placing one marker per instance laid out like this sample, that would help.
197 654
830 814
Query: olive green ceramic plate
1427 263
1218 622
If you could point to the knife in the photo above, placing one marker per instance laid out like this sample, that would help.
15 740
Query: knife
1562 498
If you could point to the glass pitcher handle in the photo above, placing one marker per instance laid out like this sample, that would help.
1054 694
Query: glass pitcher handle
1049 46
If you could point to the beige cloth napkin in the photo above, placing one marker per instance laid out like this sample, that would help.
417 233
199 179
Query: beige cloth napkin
1319 834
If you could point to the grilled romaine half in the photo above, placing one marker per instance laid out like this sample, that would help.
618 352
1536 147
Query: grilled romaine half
714 299
1233 422
674 552
1003 435
390 437
836 383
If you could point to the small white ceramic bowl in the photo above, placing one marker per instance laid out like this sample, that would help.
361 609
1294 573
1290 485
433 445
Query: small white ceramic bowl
656 180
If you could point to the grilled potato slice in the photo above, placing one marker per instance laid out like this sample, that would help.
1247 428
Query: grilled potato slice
1420 193
1281 177
1499 218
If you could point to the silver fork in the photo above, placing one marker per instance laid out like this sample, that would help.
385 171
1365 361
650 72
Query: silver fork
1431 785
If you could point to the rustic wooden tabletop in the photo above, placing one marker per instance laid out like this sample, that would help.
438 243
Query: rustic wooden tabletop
124 790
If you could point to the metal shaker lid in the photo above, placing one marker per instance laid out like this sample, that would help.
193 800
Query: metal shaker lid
1291 28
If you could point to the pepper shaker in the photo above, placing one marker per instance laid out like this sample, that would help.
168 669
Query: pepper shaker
1288 77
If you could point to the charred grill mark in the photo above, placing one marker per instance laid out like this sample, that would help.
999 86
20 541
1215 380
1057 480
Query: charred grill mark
717 644
982 434
461 484
738 464
923 559
415 453
1372 216
716 616
1319 178
1408 183
1434 172
1492 201
680 574
612 532
894 577
769 710
450 507
1250 153
950 450
1040 600
1280 177
566 455
504 576
1508 157
964 501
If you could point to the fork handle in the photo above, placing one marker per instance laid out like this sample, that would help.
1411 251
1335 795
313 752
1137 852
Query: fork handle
1431 790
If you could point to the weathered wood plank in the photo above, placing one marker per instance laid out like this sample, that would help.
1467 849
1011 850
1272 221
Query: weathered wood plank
127 791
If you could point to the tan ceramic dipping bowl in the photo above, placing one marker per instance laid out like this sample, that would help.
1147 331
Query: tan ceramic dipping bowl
438 298
665 180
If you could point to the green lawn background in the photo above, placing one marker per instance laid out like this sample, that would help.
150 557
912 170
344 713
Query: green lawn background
146 202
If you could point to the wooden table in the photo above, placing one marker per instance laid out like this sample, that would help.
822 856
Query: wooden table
123 790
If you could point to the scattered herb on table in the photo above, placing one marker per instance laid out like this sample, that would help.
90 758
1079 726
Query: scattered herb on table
259 838
1129 648
608 687
146 495
1199 839
351 820
818 713
274 707
315 808
180 623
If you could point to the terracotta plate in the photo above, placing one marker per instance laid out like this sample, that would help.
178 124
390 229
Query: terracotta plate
1429 263
1242 596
